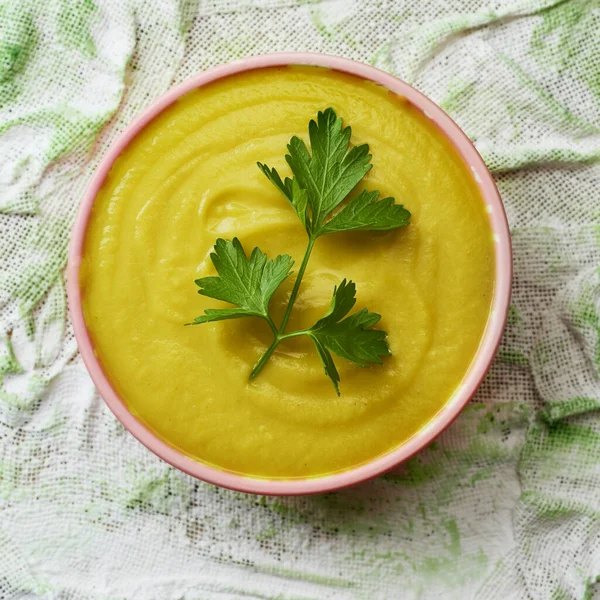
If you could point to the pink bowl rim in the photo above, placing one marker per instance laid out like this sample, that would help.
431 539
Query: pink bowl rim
447 414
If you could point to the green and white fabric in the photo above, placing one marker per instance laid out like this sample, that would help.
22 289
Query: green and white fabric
506 504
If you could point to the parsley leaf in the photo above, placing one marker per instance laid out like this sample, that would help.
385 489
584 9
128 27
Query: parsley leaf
247 283
290 188
366 212
351 338
323 180
332 171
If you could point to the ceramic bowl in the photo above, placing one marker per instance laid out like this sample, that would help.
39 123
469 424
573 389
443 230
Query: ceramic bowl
479 365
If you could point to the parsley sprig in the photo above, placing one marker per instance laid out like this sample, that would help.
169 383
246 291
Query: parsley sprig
322 180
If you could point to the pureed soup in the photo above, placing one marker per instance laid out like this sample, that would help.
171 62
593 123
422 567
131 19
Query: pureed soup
190 177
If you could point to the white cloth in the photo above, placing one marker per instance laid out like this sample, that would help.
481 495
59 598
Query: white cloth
506 504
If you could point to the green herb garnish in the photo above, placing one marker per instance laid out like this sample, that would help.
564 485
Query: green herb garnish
321 182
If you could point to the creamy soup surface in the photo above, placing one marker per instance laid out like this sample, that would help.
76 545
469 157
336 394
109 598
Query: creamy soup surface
189 178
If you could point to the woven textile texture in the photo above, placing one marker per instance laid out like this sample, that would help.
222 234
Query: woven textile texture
506 504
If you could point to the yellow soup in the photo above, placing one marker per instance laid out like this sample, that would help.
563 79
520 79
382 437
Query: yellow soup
191 177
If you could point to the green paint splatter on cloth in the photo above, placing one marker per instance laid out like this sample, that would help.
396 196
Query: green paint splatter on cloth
553 448
304 576
558 410
459 91
267 532
72 129
513 357
450 469
555 106
562 437
513 315
157 489
587 314
31 386
8 361
453 565
18 37
558 41
74 23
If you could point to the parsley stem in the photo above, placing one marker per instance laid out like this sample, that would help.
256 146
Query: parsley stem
294 334
264 358
288 310
279 335
272 325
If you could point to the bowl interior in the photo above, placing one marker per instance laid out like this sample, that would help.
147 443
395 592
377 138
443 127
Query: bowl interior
479 365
